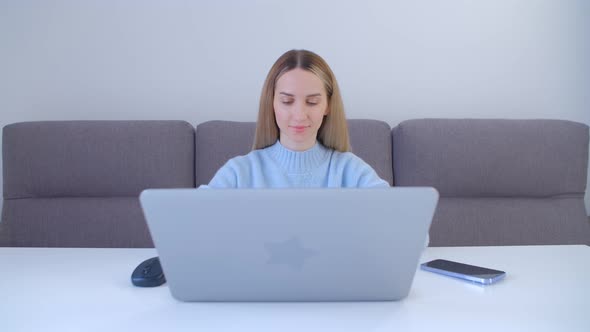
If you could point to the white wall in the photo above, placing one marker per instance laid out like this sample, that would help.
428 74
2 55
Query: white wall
202 60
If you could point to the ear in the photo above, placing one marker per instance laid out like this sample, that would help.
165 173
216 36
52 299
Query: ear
327 111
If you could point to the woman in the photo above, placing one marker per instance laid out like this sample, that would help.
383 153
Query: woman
301 134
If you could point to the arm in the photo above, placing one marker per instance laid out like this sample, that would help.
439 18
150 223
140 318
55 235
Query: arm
226 177
370 179
361 175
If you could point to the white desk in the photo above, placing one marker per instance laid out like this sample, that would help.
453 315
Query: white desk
546 289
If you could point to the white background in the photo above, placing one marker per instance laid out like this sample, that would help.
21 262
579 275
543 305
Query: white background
204 60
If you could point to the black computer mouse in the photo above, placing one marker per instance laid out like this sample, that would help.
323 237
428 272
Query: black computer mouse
148 274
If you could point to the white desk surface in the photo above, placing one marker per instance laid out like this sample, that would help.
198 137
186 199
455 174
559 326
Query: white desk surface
546 289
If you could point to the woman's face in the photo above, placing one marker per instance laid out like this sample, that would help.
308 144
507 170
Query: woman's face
300 103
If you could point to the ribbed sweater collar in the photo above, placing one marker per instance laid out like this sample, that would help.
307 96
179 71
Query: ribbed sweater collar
299 161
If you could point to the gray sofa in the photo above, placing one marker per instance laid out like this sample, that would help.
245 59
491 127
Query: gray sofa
502 182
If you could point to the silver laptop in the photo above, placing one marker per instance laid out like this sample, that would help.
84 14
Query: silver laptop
289 244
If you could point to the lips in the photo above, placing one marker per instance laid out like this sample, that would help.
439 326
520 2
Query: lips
299 128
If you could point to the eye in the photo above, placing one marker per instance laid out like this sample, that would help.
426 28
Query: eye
286 102
312 102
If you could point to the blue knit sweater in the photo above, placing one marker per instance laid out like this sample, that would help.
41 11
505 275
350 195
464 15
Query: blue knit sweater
279 167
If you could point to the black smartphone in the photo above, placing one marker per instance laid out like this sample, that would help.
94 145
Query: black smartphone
468 272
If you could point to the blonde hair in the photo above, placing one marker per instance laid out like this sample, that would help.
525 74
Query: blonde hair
333 132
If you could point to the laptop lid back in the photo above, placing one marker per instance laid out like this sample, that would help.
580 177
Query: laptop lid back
289 244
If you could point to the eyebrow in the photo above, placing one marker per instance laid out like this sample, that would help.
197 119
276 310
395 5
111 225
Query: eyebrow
292 95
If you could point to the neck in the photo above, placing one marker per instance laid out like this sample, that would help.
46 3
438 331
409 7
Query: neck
297 146
299 161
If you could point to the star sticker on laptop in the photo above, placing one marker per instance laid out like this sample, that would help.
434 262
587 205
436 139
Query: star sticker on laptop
289 252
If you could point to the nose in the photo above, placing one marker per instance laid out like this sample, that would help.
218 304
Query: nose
300 111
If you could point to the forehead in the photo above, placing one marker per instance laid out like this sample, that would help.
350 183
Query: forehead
299 82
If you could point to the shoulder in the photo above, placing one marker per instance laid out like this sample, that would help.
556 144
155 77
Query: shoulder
244 164
242 158
355 171
348 159
236 170
349 164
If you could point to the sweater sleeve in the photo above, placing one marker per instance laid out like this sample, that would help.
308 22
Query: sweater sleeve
370 179
226 177
362 174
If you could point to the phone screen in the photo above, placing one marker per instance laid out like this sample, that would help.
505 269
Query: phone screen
464 271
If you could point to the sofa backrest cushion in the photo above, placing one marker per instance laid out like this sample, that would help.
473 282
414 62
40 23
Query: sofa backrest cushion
218 141
76 183
492 157
501 182
95 158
